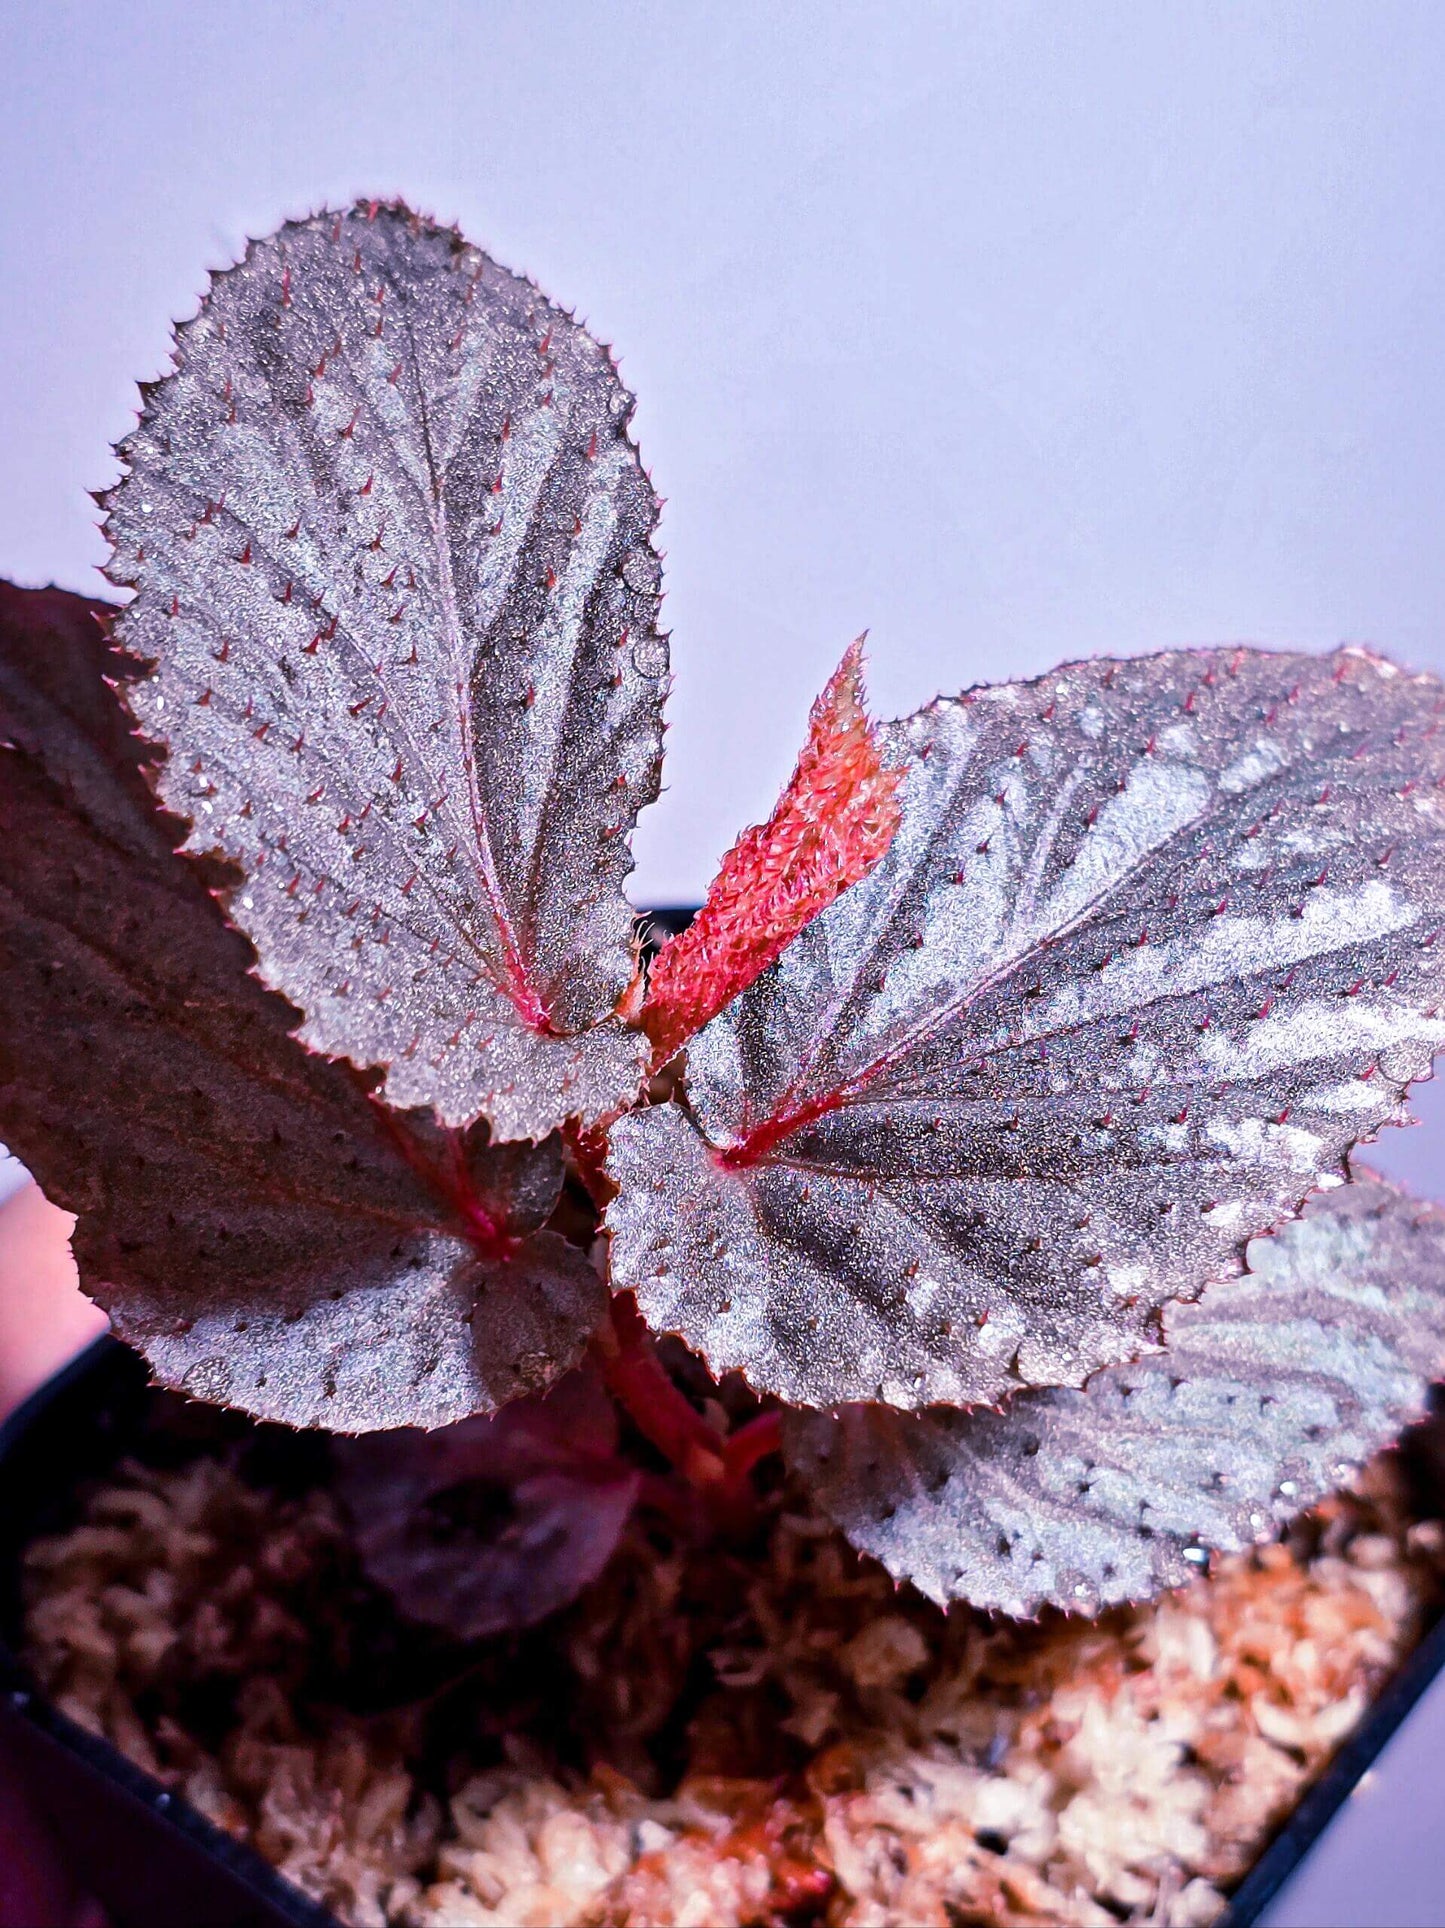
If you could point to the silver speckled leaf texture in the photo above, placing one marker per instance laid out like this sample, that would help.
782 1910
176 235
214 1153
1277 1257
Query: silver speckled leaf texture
495 1523
391 543
1273 1389
266 1232
1154 945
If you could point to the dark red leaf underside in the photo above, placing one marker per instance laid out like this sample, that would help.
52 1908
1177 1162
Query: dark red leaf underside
495 1523
1272 1390
391 544
267 1233
1155 944
831 825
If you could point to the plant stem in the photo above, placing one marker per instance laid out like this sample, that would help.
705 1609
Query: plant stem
718 1469
757 1440
636 1378
588 1146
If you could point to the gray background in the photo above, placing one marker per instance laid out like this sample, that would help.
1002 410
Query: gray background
1010 332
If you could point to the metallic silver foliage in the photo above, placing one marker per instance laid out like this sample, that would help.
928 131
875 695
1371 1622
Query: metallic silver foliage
252 1219
391 543
413 1329
1155 944
1274 1388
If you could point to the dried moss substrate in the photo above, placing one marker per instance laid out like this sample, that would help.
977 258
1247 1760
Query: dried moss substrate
714 1739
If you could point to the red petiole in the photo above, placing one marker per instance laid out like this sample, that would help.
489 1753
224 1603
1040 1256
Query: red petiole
758 1440
635 1377
719 1468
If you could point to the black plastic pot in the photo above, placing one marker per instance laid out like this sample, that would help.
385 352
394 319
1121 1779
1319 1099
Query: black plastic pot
156 1862
148 1855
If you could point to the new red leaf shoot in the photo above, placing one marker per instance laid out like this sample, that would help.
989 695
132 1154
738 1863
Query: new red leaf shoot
831 825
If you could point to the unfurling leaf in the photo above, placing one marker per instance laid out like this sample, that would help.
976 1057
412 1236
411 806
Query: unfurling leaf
1274 1388
250 1217
831 825
496 1523
391 544
1155 944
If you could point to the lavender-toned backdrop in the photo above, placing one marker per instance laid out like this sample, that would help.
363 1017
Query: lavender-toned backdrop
1012 331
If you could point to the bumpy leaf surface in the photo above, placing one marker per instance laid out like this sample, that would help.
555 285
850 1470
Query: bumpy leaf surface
831 825
495 1523
264 1230
1155 943
1272 1390
391 544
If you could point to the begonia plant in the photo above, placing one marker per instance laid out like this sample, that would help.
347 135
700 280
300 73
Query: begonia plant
988 1131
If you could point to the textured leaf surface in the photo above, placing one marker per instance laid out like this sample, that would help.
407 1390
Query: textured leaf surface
392 550
257 1224
495 1523
1154 945
831 825
1272 1390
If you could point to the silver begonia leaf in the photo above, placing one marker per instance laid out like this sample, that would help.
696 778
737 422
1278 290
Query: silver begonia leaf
1273 1389
268 1234
373 1332
391 547
1154 946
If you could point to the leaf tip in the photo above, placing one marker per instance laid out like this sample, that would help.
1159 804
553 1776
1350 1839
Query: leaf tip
832 824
